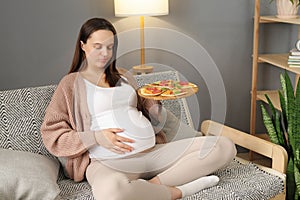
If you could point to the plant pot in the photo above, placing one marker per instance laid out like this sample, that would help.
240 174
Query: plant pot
286 9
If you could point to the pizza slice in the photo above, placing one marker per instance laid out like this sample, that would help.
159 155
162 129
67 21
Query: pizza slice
173 92
164 84
151 91
186 84
171 84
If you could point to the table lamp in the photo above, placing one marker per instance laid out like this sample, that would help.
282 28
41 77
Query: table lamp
126 8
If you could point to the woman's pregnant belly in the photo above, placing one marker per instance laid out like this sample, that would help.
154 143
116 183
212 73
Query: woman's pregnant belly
135 125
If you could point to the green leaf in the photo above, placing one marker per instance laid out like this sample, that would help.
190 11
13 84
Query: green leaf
283 110
290 188
297 157
289 90
296 134
284 95
297 181
279 130
296 129
269 125
284 122
288 94
289 98
276 120
271 105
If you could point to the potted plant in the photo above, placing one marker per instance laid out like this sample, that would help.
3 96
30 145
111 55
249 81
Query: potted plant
283 128
287 9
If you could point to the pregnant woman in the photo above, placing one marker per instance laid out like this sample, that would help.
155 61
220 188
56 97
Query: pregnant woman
103 131
117 107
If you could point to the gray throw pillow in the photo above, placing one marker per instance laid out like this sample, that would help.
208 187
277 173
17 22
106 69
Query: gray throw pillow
27 176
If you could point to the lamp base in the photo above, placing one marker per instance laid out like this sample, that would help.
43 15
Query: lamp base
142 69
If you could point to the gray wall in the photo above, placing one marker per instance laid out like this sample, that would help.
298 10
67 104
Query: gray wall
38 38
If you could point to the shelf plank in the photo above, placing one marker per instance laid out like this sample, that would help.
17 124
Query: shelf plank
274 19
278 60
273 95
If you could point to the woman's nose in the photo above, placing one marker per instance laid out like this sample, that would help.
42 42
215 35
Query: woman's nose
104 51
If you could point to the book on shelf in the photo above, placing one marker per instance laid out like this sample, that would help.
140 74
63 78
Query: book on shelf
294 66
294 57
294 63
294 52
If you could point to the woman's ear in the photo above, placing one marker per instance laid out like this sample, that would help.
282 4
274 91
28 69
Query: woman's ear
82 45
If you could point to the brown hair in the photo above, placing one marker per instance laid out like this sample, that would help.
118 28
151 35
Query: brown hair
79 58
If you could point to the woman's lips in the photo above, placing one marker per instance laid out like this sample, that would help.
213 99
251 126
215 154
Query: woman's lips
103 60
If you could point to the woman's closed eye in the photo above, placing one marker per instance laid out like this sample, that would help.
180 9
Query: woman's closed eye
100 46
97 46
110 47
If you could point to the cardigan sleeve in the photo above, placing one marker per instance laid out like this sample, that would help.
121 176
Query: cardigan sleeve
58 129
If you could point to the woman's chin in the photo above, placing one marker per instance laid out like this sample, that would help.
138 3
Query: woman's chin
100 65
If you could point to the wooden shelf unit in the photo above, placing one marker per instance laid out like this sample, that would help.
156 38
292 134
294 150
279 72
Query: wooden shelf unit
276 60
272 94
274 19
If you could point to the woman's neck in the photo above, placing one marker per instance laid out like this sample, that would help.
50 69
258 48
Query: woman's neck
96 77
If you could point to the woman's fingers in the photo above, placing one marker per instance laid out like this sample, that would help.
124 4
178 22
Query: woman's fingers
123 147
116 130
120 145
118 150
124 139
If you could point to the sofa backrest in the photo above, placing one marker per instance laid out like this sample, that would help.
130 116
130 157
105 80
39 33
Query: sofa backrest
22 112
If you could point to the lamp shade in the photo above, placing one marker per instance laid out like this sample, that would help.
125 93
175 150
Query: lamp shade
125 8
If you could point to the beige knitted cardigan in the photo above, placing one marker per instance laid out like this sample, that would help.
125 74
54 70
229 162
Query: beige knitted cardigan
66 127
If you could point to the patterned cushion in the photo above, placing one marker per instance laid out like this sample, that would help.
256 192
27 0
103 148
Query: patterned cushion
21 115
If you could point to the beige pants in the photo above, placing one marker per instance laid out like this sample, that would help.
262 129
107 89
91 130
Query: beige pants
175 163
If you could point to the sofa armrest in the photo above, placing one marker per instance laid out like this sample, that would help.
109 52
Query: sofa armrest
276 152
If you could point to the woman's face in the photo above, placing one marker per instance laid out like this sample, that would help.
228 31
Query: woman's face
98 48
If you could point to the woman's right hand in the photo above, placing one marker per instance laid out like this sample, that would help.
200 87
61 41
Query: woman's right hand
109 139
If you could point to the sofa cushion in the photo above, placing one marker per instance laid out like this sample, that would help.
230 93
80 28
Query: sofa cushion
21 115
242 181
27 176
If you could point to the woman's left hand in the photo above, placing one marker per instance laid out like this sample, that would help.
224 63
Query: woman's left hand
109 139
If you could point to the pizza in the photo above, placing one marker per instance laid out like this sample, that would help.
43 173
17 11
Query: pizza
151 91
167 88
171 84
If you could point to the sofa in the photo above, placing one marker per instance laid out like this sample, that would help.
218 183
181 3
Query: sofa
29 171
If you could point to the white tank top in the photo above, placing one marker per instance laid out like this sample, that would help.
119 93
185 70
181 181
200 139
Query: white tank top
116 107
